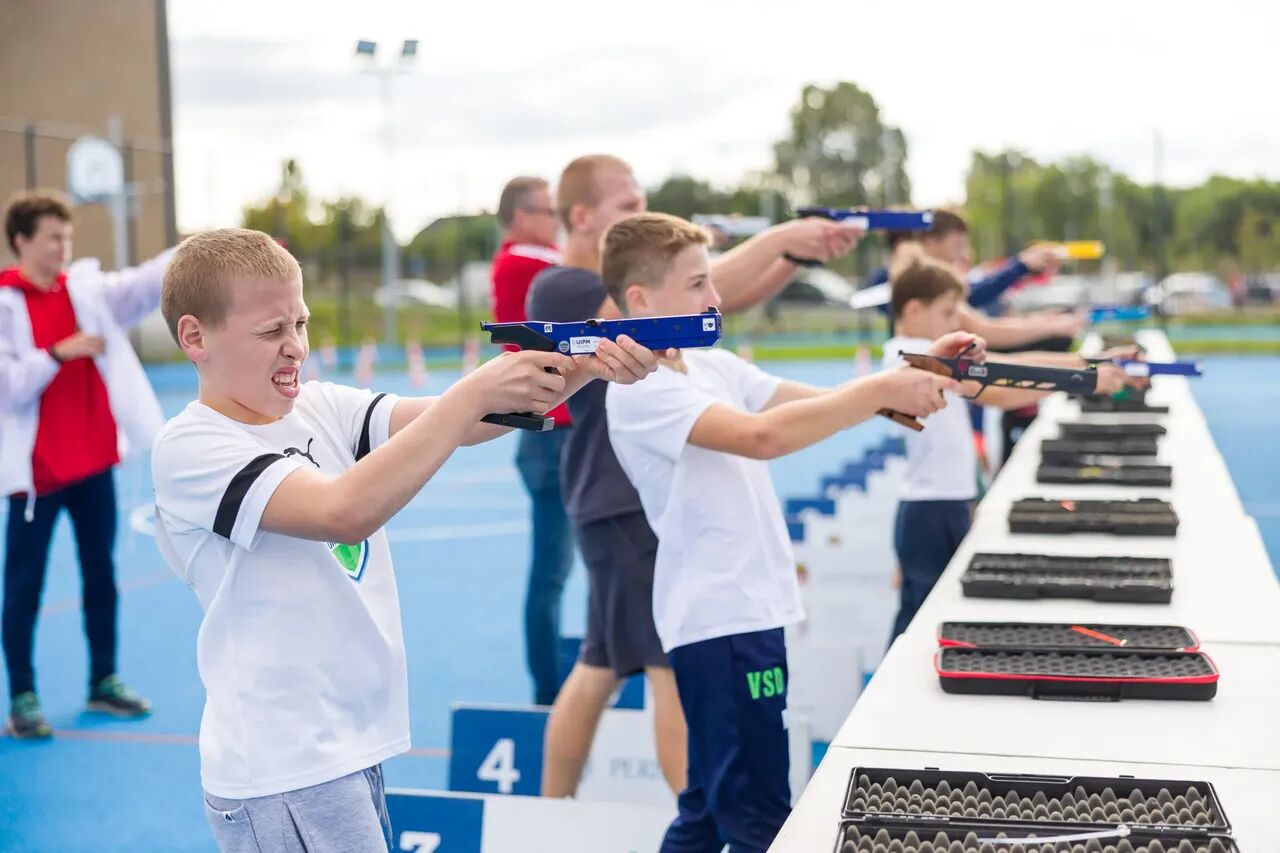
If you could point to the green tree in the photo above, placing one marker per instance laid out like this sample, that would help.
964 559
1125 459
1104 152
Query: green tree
1212 221
1224 223
447 244
319 233
997 190
840 152
1013 201
683 195
1258 239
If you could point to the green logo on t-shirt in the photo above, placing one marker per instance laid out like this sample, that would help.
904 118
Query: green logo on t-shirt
352 558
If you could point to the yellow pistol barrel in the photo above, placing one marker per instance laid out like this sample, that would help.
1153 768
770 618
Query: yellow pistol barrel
1080 250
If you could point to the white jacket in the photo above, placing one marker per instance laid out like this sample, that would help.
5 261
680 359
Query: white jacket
106 304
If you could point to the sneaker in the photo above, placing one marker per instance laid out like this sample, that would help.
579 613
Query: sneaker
25 719
110 696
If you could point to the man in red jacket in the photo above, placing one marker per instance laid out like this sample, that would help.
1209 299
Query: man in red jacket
528 247
49 375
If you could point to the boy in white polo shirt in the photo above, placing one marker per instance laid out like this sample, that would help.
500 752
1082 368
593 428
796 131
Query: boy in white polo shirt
935 507
271 497
694 444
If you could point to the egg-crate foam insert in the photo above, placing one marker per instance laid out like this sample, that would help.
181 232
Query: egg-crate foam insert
1088 430
1017 799
1143 580
1139 517
859 838
1083 472
1066 635
1129 445
1103 674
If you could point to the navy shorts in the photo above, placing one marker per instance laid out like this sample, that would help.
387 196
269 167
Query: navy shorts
621 635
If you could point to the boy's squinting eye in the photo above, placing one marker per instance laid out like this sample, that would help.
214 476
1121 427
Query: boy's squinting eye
279 330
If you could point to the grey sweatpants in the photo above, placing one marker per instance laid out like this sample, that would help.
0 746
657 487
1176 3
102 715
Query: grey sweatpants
347 815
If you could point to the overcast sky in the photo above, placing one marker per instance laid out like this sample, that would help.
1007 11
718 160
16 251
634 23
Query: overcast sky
704 87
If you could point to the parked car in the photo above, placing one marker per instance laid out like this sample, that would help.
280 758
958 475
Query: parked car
817 286
1188 291
1262 289
416 291
1061 291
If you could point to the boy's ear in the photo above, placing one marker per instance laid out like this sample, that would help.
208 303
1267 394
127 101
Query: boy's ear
578 217
637 296
191 337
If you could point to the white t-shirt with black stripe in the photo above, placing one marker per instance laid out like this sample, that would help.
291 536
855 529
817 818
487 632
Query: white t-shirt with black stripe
301 651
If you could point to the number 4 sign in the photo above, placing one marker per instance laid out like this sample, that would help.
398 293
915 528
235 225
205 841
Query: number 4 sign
496 750
499 766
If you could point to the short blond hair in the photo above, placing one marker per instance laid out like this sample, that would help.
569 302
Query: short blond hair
198 278
578 183
640 249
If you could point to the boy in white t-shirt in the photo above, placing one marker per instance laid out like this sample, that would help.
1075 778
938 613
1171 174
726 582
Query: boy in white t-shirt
271 497
694 444
935 507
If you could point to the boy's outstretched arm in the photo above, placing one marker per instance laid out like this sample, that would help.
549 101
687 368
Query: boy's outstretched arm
1111 378
352 506
1008 332
974 347
794 425
946 346
755 271
623 362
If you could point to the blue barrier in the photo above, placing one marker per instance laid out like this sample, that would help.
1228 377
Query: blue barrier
824 506
875 460
426 822
494 750
894 445
855 473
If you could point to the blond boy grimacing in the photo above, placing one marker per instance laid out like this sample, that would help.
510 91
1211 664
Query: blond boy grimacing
271 499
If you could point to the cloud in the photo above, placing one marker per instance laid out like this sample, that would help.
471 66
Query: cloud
256 82
700 87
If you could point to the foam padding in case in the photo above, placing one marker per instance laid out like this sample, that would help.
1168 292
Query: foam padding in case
1089 430
1136 445
1104 674
1066 635
945 811
1140 517
860 838
1143 580
1084 472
